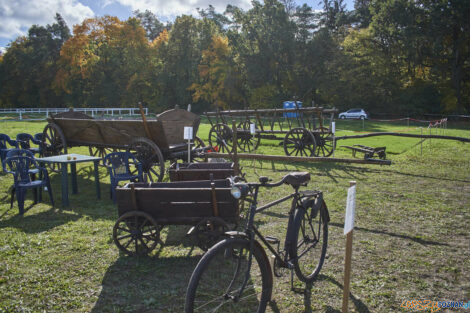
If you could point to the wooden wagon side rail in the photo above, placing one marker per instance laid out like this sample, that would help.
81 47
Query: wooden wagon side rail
263 111
283 158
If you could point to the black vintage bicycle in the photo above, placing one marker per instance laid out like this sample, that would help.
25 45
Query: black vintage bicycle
235 275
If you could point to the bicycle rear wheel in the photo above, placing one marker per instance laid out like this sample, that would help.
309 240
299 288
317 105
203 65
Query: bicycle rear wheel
219 276
310 238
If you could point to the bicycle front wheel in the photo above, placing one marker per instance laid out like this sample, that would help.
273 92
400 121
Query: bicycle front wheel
219 282
310 240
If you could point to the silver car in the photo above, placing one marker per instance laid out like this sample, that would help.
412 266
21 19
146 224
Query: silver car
354 113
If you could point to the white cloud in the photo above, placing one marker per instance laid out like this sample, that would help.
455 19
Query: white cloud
18 15
2 50
165 8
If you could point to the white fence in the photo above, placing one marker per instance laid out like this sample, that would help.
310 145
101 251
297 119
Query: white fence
89 111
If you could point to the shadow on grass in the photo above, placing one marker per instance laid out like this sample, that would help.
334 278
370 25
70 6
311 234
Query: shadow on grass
383 232
359 305
144 284
85 203
355 172
307 292
40 222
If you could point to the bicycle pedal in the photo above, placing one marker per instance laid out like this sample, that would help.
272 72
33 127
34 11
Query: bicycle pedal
272 240
290 266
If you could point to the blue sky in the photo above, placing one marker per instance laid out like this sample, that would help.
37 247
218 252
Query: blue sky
17 16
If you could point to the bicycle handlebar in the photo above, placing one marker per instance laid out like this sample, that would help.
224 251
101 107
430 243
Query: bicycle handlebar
295 179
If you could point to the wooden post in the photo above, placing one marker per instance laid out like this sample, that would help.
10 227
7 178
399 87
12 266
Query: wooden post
347 264
144 120
236 166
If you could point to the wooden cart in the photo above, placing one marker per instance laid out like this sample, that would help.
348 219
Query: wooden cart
152 142
144 209
303 129
200 171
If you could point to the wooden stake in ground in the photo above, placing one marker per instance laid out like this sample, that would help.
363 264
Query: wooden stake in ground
348 231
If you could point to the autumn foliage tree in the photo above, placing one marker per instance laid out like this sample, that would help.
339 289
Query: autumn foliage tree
388 56
106 62
219 81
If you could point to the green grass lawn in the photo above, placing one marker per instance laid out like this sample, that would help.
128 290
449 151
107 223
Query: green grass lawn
412 237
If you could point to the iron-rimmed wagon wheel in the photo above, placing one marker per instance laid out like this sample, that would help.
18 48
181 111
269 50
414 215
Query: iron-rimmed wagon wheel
100 152
221 138
136 233
209 231
53 143
198 143
324 141
299 142
151 158
245 140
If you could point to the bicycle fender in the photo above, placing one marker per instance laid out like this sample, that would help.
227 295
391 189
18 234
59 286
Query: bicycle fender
324 213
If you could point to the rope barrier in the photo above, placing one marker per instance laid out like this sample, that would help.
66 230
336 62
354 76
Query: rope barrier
407 118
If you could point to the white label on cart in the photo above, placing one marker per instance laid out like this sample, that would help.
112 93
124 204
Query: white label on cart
350 210
188 133
252 129
333 127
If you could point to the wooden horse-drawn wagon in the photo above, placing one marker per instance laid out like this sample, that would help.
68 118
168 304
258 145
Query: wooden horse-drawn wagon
153 141
144 209
304 130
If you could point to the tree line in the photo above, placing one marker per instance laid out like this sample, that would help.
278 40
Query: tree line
386 56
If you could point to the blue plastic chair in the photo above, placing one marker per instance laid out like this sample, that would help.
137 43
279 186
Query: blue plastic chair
20 152
38 137
4 142
25 140
118 164
19 167
32 171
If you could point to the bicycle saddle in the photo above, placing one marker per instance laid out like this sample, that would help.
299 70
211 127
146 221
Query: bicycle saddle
296 178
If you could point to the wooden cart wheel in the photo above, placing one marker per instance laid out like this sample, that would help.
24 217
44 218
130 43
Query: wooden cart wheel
136 233
324 141
299 142
53 143
245 140
198 143
151 158
100 152
209 231
221 138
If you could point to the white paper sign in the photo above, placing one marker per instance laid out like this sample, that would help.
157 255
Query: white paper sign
252 129
188 133
333 127
350 210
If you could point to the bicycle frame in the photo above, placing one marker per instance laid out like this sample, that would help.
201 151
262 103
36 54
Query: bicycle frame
251 231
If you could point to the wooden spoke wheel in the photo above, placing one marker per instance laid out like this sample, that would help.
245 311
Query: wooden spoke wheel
221 138
245 140
324 141
209 231
53 143
299 142
197 144
151 158
136 233
100 152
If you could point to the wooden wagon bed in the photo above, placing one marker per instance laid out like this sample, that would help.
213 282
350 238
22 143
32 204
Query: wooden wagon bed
167 130
153 142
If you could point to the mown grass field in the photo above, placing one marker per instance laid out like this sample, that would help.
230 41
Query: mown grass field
412 237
